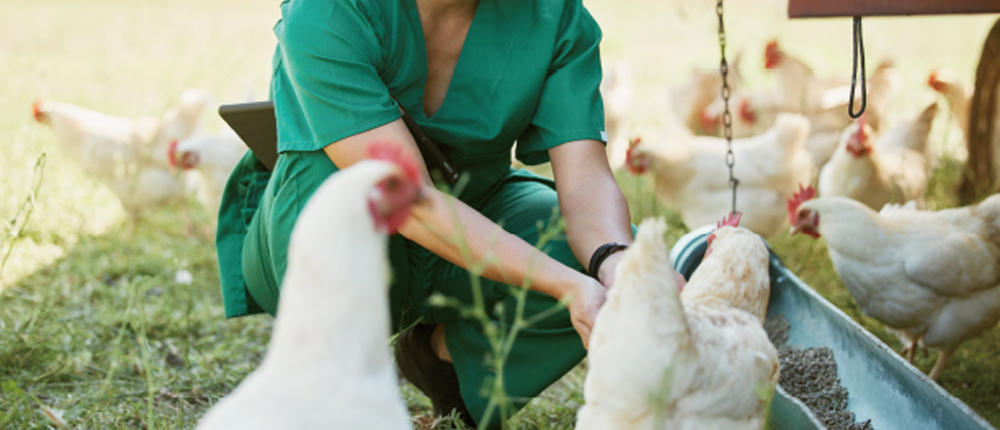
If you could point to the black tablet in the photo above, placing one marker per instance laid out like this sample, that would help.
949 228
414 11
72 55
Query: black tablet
254 123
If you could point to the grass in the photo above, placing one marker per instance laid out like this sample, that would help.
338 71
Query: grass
92 322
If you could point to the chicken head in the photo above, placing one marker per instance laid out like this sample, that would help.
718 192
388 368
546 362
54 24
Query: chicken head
732 220
772 55
637 162
390 200
858 142
36 111
805 221
734 272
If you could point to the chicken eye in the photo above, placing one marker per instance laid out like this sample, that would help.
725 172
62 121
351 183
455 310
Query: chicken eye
392 184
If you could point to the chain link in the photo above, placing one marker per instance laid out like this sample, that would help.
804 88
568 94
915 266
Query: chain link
727 117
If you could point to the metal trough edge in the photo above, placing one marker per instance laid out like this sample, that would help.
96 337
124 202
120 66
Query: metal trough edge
789 413
882 385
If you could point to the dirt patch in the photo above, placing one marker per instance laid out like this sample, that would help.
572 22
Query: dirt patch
810 375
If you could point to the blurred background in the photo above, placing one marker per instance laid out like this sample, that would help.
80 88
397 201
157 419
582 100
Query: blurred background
116 327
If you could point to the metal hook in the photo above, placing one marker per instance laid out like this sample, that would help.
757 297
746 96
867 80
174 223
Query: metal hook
858 49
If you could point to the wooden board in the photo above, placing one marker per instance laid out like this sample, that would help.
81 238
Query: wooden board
841 8
980 176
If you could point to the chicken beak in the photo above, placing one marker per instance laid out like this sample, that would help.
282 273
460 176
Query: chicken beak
794 229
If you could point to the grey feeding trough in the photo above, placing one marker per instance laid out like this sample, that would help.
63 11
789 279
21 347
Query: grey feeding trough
882 386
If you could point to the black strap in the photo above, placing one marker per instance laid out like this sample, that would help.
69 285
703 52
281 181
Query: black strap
436 163
600 254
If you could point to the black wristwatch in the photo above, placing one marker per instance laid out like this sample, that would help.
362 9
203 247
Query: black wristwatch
600 254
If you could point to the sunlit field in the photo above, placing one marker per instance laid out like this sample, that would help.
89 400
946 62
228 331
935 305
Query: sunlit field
96 325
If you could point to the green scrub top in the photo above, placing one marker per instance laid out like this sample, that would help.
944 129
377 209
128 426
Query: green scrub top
529 72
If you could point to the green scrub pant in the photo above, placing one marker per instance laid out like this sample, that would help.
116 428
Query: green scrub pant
522 203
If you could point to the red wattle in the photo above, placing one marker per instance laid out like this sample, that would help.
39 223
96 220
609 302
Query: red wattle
746 112
708 122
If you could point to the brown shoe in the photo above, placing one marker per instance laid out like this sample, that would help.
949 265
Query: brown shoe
421 366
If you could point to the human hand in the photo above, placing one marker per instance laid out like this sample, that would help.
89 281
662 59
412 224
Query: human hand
583 302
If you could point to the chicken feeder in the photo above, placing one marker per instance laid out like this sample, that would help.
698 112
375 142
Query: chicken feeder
882 386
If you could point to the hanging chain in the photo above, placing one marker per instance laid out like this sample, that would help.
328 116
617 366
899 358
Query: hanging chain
858 49
727 117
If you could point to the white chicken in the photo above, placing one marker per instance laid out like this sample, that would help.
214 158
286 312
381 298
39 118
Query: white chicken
698 359
798 87
689 173
823 103
689 100
935 276
128 155
617 90
830 120
895 169
958 95
213 156
751 113
328 363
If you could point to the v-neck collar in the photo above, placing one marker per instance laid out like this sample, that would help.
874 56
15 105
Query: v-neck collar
414 15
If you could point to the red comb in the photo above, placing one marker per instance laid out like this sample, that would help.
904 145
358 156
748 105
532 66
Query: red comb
934 83
804 194
394 153
36 110
632 162
172 153
732 220
772 55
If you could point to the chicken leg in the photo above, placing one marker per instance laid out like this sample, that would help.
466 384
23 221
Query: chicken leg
911 348
941 362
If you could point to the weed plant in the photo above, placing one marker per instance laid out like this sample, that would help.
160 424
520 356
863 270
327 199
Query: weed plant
500 333
17 225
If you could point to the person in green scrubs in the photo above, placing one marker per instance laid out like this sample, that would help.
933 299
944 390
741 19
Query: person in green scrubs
476 75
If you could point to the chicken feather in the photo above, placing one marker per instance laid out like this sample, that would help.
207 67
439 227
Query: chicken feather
128 155
934 276
894 169
328 363
690 173
698 359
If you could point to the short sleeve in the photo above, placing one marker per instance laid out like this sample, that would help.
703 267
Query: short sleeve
331 54
570 107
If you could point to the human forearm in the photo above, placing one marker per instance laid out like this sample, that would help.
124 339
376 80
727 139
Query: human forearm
592 204
596 213
463 236
503 257
435 225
